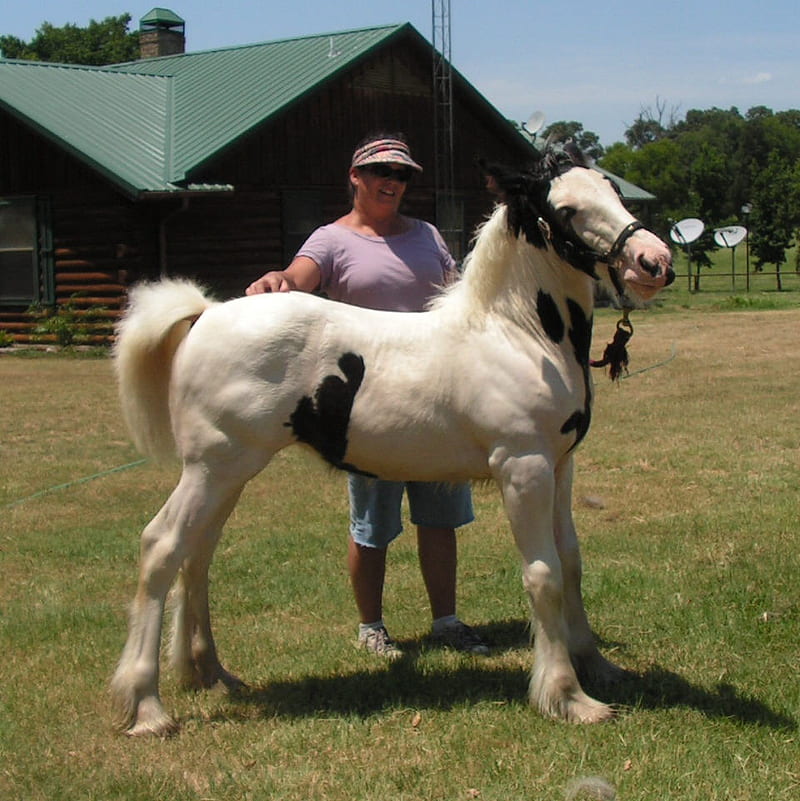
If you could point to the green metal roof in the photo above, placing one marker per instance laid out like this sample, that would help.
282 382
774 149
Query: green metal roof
629 191
222 94
114 122
146 124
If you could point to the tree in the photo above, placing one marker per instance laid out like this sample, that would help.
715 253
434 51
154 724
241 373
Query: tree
105 42
651 125
587 141
774 215
710 164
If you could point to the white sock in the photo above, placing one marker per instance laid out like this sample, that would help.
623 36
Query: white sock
445 622
363 628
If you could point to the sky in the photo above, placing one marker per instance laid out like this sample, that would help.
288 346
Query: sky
598 63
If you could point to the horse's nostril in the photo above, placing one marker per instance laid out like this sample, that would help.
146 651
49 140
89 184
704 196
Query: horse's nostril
650 267
670 277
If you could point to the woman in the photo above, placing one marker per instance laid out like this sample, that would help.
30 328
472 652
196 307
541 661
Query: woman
376 257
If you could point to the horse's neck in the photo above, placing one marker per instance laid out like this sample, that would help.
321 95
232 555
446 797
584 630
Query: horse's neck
506 277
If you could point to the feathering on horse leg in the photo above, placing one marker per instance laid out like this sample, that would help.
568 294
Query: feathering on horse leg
590 665
555 689
528 492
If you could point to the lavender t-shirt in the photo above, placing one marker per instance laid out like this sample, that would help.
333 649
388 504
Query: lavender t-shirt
393 273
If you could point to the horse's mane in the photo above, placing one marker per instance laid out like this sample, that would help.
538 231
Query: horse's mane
499 255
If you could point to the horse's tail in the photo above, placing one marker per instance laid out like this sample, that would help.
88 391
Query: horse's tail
158 318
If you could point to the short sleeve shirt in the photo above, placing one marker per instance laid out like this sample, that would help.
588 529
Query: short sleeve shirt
393 273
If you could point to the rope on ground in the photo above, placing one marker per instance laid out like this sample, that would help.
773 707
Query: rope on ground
653 366
74 483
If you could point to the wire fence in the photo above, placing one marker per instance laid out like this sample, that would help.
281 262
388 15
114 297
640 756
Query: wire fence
705 279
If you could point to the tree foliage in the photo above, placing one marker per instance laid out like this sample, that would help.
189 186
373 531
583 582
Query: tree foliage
99 43
712 162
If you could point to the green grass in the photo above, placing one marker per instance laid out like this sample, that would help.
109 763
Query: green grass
686 498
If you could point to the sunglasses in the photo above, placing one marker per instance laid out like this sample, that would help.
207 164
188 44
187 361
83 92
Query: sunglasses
403 174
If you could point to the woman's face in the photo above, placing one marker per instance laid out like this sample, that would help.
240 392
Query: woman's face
380 187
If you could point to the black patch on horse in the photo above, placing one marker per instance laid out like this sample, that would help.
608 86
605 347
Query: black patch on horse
549 316
580 335
322 422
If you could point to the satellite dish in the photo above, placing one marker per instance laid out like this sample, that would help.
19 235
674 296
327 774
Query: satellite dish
686 231
729 236
534 123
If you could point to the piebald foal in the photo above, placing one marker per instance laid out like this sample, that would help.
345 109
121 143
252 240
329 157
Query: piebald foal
492 382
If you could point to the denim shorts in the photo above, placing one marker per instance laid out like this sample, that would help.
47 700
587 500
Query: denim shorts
375 507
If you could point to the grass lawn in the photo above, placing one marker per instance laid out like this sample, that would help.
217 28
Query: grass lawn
687 502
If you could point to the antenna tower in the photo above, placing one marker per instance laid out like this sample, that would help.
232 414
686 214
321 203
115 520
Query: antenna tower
444 180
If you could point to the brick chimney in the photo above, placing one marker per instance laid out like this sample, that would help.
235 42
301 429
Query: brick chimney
161 33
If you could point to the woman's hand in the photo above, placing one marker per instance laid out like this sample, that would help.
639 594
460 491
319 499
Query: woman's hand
273 281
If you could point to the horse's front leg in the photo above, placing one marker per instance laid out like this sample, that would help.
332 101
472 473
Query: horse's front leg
528 487
589 663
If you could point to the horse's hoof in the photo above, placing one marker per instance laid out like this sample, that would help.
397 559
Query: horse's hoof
593 712
165 726
152 721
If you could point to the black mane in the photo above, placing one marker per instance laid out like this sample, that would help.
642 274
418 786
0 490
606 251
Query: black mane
524 192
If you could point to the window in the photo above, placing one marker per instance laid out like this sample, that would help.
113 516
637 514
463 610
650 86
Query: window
26 254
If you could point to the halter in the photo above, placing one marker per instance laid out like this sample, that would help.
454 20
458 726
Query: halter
613 255
571 250
616 249
616 352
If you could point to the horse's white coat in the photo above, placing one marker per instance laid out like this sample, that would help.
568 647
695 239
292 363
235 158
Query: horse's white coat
473 388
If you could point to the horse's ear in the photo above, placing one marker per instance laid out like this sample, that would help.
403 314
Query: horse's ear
502 181
515 189
490 175
575 154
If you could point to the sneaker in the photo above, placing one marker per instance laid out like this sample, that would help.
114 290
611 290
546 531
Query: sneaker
377 641
460 637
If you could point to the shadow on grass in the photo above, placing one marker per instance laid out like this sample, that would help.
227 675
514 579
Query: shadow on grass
658 688
414 681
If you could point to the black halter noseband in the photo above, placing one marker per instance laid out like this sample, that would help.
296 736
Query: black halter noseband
613 255
616 249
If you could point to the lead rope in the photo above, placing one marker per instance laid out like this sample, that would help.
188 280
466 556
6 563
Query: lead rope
616 353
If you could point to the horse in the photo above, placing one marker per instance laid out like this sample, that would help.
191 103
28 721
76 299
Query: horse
492 381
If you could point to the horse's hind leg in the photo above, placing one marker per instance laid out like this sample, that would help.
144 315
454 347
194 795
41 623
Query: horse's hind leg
193 653
179 530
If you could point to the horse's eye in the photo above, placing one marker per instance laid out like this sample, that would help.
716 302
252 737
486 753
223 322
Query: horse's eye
565 215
